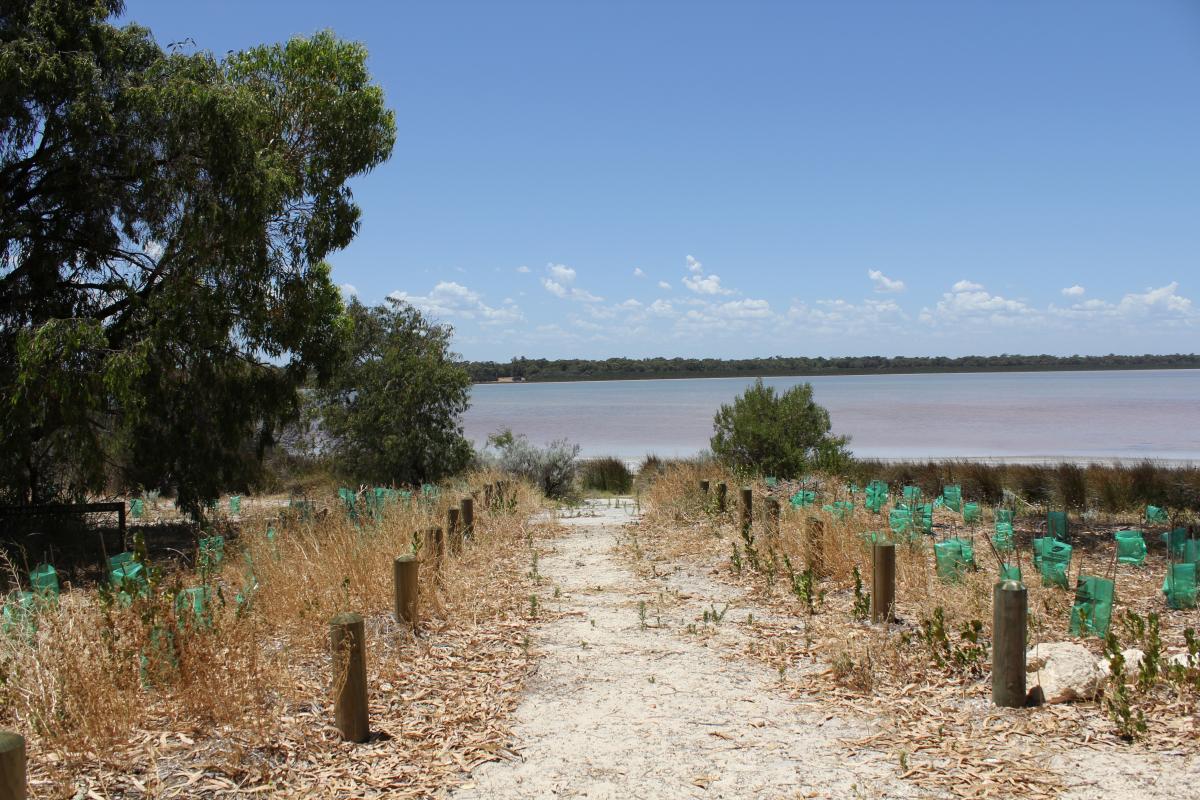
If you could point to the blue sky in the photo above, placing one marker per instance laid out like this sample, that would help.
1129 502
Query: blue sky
592 179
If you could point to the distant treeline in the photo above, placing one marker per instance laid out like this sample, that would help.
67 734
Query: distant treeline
578 369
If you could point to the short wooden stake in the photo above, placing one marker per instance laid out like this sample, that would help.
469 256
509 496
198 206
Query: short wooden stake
704 488
434 546
12 766
453 533
747 509
883 582
1010 606
347 642
404 584
468 517
774 514
816 546
722 492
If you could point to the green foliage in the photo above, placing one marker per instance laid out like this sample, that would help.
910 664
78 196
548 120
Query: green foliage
165 217
862 600
968 655
1131 723
606 475
392 410
779 434
550 468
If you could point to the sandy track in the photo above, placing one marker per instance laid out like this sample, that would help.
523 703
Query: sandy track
622 710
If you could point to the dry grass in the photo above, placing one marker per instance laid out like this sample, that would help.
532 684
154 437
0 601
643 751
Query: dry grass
933 706
244 704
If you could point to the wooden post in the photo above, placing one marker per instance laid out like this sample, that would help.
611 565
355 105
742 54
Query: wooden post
1010 605
883 581
487 496
434 543
722 491
704 488
468 518
452 529
404 584
816 545
347 642
747 509
12 766
774 514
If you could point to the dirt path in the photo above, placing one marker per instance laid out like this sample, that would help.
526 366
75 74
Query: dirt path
626 706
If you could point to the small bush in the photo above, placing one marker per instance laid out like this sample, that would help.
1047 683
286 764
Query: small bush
1072 486
550 468
785 435
606 475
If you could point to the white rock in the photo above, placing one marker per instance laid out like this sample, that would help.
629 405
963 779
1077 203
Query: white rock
1064 671
1133 660
1184 660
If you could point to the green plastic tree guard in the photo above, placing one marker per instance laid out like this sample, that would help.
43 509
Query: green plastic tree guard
212 552
1180 586
1057 525
44 581
912 494
1053 560
803 499
192 605
952 497
137 507
951 561
20 614
1156 515
1003 538
1191 552
971 512
1176 542
1092 610
1004 515
771 481
1010 572
901 523
877 496
235 504
1131 547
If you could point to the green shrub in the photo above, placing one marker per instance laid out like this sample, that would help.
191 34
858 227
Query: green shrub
606 475
784 434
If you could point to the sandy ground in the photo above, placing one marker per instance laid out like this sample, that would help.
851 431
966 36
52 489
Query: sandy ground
631 706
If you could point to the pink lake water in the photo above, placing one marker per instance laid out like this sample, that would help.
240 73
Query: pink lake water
1014 415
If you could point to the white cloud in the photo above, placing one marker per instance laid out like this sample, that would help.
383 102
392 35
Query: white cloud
348 290
706 285
554 287
969 301
450 299
883 283
638 273
829 317
562 272
631 304
661 308
699 283
154 249
569 292
1164 303
664 285
744 309
523 269
1073 291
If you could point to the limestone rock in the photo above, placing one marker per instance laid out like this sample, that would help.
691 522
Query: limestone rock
1063 671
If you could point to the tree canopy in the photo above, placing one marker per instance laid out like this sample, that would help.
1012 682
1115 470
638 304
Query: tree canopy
777 434
391 413
165 219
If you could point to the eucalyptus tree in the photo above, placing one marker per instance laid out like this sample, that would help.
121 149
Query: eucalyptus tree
165 216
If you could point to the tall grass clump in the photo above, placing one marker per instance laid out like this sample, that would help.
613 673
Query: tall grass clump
98 668
605 475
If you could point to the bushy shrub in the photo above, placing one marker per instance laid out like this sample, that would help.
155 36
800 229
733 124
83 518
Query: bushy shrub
606 475
550 468
784 434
